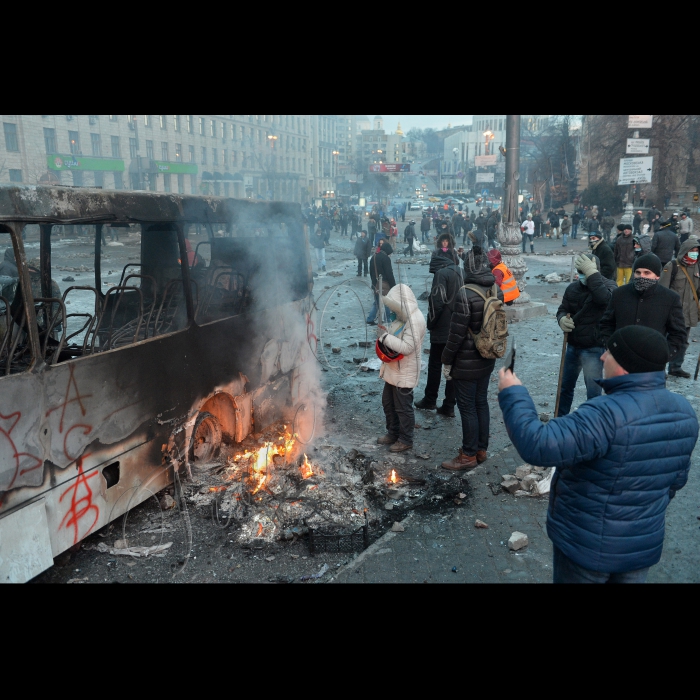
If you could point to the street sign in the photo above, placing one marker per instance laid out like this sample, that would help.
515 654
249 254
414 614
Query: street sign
390 168
635 170
637 146
485 161
484 193
485 177
640 121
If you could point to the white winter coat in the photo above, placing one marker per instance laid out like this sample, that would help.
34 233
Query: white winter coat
405 372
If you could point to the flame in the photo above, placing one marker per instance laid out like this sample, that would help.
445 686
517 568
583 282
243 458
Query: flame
306 469
260 529
393 478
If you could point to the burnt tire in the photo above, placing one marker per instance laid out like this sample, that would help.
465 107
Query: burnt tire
206 438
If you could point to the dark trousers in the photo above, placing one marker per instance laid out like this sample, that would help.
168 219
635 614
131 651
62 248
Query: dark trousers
344 229
567 571
432 388
472 402
677 362
408 250
398 409
362 262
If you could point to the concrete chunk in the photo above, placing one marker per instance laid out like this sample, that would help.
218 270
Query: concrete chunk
522 471
517 541
511 485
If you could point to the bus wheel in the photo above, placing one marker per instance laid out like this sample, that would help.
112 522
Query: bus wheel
206 438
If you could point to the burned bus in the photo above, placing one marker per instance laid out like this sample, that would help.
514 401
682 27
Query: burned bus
137 332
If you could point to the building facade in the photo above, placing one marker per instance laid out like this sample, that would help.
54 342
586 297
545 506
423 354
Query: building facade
284 157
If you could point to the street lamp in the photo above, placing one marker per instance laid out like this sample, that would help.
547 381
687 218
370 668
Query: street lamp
272 138
489 136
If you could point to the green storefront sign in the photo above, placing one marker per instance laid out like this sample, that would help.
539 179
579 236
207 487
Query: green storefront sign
166 167
57 162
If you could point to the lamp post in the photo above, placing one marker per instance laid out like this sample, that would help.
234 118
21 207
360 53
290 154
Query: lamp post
272 138
489 136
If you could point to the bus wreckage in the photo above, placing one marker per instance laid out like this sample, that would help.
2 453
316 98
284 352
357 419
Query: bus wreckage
111 386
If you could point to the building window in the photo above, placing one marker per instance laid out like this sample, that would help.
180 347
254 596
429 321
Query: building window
225 154
74 140
212 129
99 178
223 131
193 184
201 126
15 175
96 143
133 148
181 183
233 132
147 120
190 124
215 156
116 151
163 121
166 182
191 152
164 151
50 140
149 150
227 190
204 155
113 117
118 181
178 153
78 178
176 122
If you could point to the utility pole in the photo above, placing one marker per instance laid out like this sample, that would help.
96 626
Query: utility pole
509 234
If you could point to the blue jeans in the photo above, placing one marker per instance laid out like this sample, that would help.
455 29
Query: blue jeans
574 231
472 402
566 239
577 359
320 258
375 308
567 571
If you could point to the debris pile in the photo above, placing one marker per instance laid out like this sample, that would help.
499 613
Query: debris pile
528 481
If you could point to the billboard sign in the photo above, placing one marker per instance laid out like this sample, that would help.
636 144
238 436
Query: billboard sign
485 161
485 177
640 121
390 168
635 170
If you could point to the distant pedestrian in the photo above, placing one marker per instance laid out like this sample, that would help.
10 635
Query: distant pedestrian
565 228
685 228
575 221
363 249
528 232
665 244
409 235
624 254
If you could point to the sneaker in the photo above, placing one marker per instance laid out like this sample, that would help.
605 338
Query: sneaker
460 463
425 405
679 373
386 440
399 446
447 411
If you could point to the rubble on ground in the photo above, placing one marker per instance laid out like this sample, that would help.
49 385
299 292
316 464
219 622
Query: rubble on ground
528 481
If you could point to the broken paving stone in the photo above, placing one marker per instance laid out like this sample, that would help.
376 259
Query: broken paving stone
120 544
269 559
68 279
517 541
481 524
544 417
522 471
336 351
530 480
511 485
388 506
398 527
167 502
520 493
424 456
365 344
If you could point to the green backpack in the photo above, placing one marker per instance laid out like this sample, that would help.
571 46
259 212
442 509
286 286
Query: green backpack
492 340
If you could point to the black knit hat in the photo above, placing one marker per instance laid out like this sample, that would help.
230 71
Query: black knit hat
639 349
386 248
648 261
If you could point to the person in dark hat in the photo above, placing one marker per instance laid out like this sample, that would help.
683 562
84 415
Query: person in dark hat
643 302
620 459
604 253
624 254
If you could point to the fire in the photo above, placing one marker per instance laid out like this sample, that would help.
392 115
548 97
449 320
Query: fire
393 478
306 469
260 529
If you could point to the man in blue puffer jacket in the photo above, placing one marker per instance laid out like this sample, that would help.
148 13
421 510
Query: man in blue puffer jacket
620 459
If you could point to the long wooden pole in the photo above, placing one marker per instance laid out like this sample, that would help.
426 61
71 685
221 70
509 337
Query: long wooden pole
561 371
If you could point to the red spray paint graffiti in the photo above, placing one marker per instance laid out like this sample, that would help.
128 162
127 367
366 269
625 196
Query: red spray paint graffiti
18 458
310 332
72 383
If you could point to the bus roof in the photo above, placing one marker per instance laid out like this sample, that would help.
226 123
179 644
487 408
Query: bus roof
68 205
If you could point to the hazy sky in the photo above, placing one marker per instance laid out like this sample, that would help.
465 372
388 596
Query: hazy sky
422 121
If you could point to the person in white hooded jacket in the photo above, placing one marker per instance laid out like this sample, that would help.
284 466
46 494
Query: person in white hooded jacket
405 336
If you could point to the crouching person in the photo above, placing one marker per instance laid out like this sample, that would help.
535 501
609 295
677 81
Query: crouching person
620 458
399 348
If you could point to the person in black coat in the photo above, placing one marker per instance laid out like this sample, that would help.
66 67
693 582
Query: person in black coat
363 249
644 302
579 315
604 253
380 265
447 281
466 368
665 244
409 235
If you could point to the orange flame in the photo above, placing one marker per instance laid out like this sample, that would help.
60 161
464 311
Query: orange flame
260 529
306 469
393 478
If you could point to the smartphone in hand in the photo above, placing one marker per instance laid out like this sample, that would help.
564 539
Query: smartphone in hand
510 357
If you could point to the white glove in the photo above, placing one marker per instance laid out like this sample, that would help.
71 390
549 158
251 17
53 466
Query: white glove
446 369
567 325
585 265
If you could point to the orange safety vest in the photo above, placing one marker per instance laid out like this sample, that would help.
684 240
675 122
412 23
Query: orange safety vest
509 286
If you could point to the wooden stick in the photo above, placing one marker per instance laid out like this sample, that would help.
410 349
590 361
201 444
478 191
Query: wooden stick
561 371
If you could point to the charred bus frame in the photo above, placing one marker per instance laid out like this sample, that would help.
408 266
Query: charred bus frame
98 408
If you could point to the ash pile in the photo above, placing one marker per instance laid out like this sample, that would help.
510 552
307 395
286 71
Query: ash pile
279 490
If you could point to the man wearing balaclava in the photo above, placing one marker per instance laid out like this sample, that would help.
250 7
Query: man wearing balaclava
683 277
644 302
579 315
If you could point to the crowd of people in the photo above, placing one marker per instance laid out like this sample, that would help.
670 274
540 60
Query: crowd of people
623 454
